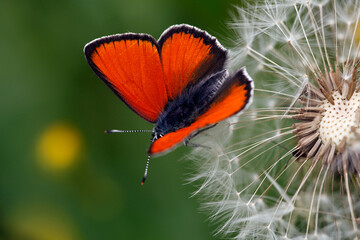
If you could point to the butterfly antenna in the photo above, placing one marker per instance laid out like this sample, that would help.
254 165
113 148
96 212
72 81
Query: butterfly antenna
126 131
146 170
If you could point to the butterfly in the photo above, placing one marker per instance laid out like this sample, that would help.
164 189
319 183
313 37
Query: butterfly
178 82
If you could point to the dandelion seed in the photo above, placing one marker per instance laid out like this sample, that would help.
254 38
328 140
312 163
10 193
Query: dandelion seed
293 170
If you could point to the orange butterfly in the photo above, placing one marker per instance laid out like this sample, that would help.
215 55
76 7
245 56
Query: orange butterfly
178 82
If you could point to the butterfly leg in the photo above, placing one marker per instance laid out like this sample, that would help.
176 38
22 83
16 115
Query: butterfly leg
187 142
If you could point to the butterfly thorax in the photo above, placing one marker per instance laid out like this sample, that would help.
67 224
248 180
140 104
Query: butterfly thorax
186 108
178 113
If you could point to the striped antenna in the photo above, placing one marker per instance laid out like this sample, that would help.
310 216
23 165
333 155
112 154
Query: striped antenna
134 131
146 170
126 131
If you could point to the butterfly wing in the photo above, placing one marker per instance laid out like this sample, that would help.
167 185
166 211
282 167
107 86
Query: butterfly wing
235 95
130 65
188 54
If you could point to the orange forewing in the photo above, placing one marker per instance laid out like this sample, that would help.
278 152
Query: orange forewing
231 102
188 55
146 74
132 68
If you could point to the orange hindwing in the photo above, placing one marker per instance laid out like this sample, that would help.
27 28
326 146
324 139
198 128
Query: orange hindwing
232 100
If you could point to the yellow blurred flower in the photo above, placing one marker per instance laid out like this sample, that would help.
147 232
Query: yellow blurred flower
42 222
59 147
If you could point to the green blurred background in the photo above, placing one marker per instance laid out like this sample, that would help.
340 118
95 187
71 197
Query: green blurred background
61 177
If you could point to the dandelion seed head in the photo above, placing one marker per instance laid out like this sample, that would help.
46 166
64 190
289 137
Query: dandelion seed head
292 169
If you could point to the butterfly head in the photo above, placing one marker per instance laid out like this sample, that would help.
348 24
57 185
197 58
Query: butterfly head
156 135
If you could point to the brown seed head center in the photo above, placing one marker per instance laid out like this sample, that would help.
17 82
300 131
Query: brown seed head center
340 119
